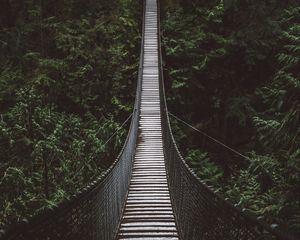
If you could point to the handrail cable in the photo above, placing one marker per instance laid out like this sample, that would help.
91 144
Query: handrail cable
210 137
107 141
117 130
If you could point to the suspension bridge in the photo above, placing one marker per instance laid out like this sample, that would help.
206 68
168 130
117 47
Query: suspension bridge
149 192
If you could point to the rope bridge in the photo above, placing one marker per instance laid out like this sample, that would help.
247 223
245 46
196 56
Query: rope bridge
149 192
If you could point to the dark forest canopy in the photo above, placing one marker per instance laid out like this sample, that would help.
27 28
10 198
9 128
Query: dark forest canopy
233 70
67 80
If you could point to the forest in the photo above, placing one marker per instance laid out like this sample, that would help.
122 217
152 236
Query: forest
232 71
67 82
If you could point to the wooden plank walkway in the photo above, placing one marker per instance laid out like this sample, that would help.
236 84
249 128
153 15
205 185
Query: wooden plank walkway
148 212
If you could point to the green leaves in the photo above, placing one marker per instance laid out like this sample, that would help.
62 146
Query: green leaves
178 84
279 125
232 68
284 58
67 79
67 143
207 170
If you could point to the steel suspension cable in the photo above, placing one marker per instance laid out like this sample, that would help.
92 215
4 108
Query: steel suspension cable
117 130
208 136
107 141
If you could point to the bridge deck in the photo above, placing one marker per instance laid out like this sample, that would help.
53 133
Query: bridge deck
148 212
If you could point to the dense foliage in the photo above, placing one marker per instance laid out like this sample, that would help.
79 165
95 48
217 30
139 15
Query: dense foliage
67 79
232 70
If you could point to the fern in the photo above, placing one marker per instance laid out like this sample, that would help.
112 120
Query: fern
280 125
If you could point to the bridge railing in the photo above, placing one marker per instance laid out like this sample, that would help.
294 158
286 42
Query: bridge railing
92 213
200 212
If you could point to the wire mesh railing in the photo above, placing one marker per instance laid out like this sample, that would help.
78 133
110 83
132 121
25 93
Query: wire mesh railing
92 213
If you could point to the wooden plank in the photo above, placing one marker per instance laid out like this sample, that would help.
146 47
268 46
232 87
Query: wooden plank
148 212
